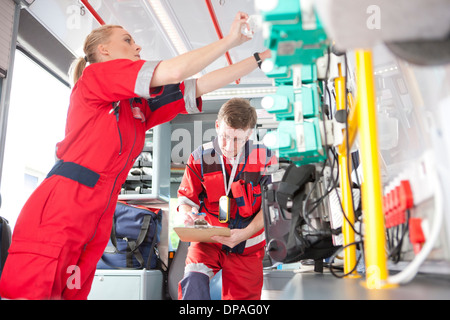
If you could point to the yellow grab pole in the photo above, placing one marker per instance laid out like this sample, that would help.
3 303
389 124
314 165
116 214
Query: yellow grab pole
352 124
374 236
347 199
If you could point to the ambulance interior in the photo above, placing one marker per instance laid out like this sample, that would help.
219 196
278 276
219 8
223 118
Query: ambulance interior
370 74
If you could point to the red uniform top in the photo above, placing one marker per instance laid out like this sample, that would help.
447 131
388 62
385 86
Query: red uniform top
104 140
203 185
111 107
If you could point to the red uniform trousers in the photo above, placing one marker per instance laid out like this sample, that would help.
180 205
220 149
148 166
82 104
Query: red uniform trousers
242 274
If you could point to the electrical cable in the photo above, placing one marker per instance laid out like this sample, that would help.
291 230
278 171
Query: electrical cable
350 183
330 265
411 270
317 202
396 246
305 201
335 180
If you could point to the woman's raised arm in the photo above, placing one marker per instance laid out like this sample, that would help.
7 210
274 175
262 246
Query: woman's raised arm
188 64
221 77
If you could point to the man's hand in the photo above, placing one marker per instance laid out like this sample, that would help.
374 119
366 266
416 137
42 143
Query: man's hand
236 237
239 235
190 215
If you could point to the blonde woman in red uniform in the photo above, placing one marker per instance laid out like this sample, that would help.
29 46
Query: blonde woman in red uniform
65 225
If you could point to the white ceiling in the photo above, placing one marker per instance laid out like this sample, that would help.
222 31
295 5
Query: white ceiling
69 22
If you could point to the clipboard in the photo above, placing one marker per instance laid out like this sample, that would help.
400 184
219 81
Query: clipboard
192 234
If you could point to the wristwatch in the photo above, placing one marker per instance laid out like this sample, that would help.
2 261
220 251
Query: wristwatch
258 59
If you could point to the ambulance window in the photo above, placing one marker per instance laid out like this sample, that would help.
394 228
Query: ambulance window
36 122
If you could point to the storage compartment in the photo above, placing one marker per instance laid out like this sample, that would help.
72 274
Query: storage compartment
127 285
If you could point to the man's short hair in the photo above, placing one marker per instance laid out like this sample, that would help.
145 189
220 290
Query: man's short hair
238 114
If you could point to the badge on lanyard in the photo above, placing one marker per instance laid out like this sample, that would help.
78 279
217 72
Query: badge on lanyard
224 209
224 201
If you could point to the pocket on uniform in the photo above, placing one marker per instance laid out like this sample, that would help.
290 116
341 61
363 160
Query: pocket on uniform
35 265
256 195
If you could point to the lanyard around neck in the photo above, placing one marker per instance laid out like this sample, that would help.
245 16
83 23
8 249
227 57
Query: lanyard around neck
233 172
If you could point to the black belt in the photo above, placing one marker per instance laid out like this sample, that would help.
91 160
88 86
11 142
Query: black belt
75 172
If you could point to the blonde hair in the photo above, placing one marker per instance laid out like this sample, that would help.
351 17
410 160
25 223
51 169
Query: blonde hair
97 36
238 114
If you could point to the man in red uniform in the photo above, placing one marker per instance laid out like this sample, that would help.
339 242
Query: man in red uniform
65 225
230 168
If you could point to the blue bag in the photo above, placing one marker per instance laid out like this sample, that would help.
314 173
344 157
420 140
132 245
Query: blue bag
134 238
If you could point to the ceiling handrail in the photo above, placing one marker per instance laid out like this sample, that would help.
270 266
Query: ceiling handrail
93 12
215 21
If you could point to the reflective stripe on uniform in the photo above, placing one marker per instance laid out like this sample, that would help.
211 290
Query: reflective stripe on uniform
199 267
255 240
